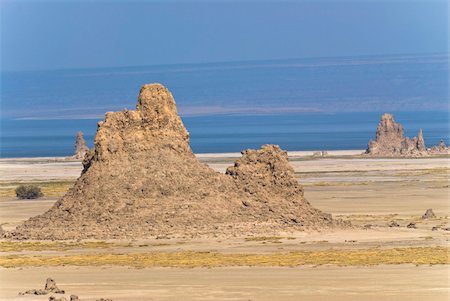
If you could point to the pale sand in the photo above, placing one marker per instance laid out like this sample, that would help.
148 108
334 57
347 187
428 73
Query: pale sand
403 282
363 190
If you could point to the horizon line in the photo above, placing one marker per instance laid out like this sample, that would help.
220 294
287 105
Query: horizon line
232 113
412 55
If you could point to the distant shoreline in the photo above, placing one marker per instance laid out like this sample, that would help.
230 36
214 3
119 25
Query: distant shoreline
292 154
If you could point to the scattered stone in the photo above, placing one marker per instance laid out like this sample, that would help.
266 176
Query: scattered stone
435 228
34 292
74 298
428 214
411 225
368 226
80 146
53 298
393 224
142 180
50 287
390 141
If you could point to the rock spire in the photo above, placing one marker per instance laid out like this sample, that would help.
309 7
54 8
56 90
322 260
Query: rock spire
391 142
141 179
80 146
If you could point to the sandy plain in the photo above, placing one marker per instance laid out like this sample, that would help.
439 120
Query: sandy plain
377 262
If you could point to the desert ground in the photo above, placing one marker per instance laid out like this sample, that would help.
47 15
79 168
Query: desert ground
370 261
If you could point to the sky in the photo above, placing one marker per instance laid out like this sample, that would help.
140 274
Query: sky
46 35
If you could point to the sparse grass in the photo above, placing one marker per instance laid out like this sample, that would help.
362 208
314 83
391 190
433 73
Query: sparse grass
423 172
49 188
440 186
189 259
14 246
440 171
274 239
161 244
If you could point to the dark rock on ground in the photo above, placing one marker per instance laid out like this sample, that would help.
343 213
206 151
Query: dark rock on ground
53 298
50 287
428 214
393 224
411 225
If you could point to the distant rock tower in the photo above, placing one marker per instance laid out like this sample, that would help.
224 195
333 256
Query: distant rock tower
390 140
80 146
421 142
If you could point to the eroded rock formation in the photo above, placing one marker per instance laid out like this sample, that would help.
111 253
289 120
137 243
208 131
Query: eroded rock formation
50 287
142 180
439 149
80 146
391 142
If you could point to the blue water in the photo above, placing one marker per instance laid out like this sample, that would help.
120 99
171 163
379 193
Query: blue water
230 133
302 104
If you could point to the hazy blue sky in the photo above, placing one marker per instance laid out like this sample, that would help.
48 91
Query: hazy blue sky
74 34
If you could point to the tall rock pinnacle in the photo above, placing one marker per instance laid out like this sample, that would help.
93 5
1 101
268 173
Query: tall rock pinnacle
421 142
80 146
142 180
390 141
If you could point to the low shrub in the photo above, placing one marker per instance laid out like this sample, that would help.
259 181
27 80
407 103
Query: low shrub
28 192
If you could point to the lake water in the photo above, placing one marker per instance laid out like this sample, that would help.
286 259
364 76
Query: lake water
307 104
230 133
